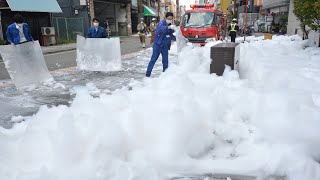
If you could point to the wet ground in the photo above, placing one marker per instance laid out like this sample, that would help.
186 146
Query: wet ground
26 102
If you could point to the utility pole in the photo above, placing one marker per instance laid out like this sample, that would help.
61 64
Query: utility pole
234 7
245 22
91 9
140 9
159 3
178 10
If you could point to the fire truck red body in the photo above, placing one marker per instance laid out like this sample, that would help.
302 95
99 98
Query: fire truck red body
203 24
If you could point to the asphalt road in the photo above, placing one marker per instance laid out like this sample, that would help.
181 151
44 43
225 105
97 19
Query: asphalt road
67 59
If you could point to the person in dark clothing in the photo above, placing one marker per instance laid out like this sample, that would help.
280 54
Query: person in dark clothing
96 31
162 42
233 29
18 32
108 29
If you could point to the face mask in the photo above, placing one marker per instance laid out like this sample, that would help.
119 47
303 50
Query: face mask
19 24
141 22
168 21
95 24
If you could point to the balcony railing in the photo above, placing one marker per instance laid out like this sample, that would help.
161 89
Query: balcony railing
266 4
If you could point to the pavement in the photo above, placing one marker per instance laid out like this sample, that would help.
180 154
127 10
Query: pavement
124 40
61 62
64 56
58 48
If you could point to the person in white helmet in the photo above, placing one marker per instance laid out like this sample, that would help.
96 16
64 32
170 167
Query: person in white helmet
142 31
233 29
153 26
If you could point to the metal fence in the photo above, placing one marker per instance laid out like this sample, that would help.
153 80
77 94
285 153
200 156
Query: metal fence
68 28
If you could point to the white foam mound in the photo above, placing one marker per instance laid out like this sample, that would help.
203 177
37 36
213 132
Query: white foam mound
185 121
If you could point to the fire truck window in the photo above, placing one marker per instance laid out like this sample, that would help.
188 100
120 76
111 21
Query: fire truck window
219 20
198 19
185 19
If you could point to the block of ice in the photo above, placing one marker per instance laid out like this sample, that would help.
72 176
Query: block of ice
98 54
181 42
25 63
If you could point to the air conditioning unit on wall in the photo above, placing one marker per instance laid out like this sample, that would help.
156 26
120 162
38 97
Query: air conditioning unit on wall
83 2
48 36
48 31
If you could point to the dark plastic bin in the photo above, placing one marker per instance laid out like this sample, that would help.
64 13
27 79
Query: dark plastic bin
224 54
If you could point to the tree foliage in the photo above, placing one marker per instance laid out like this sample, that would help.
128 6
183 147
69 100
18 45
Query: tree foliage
283 23
308 12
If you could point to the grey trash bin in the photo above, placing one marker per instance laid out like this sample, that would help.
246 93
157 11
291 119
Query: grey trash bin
224 54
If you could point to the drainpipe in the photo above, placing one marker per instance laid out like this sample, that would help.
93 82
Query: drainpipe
1 31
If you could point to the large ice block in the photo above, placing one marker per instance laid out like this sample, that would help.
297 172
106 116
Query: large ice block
181 42
25 63
98 54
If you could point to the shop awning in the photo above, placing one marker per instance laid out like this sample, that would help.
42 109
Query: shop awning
149 11
51 6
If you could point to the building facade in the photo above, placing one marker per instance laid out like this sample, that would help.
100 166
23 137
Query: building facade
275 8
223 5
146 9
117 13
294 26
36 16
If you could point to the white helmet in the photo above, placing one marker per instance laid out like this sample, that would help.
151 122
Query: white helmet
234 20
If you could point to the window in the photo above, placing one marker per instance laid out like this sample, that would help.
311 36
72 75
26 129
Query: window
198 19
219 19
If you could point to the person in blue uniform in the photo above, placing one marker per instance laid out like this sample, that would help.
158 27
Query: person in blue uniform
18 32
162 42
96 31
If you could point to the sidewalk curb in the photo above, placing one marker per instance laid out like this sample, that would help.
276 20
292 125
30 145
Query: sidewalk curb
68 47
51 52
58 51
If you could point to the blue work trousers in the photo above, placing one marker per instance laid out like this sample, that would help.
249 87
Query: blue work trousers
157 49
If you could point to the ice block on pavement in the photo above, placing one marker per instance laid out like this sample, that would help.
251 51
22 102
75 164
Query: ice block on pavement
25 64
98 54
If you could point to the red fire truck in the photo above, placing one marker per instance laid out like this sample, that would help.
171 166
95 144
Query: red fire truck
203 24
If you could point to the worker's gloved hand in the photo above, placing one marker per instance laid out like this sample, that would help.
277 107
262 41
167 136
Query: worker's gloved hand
172 27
